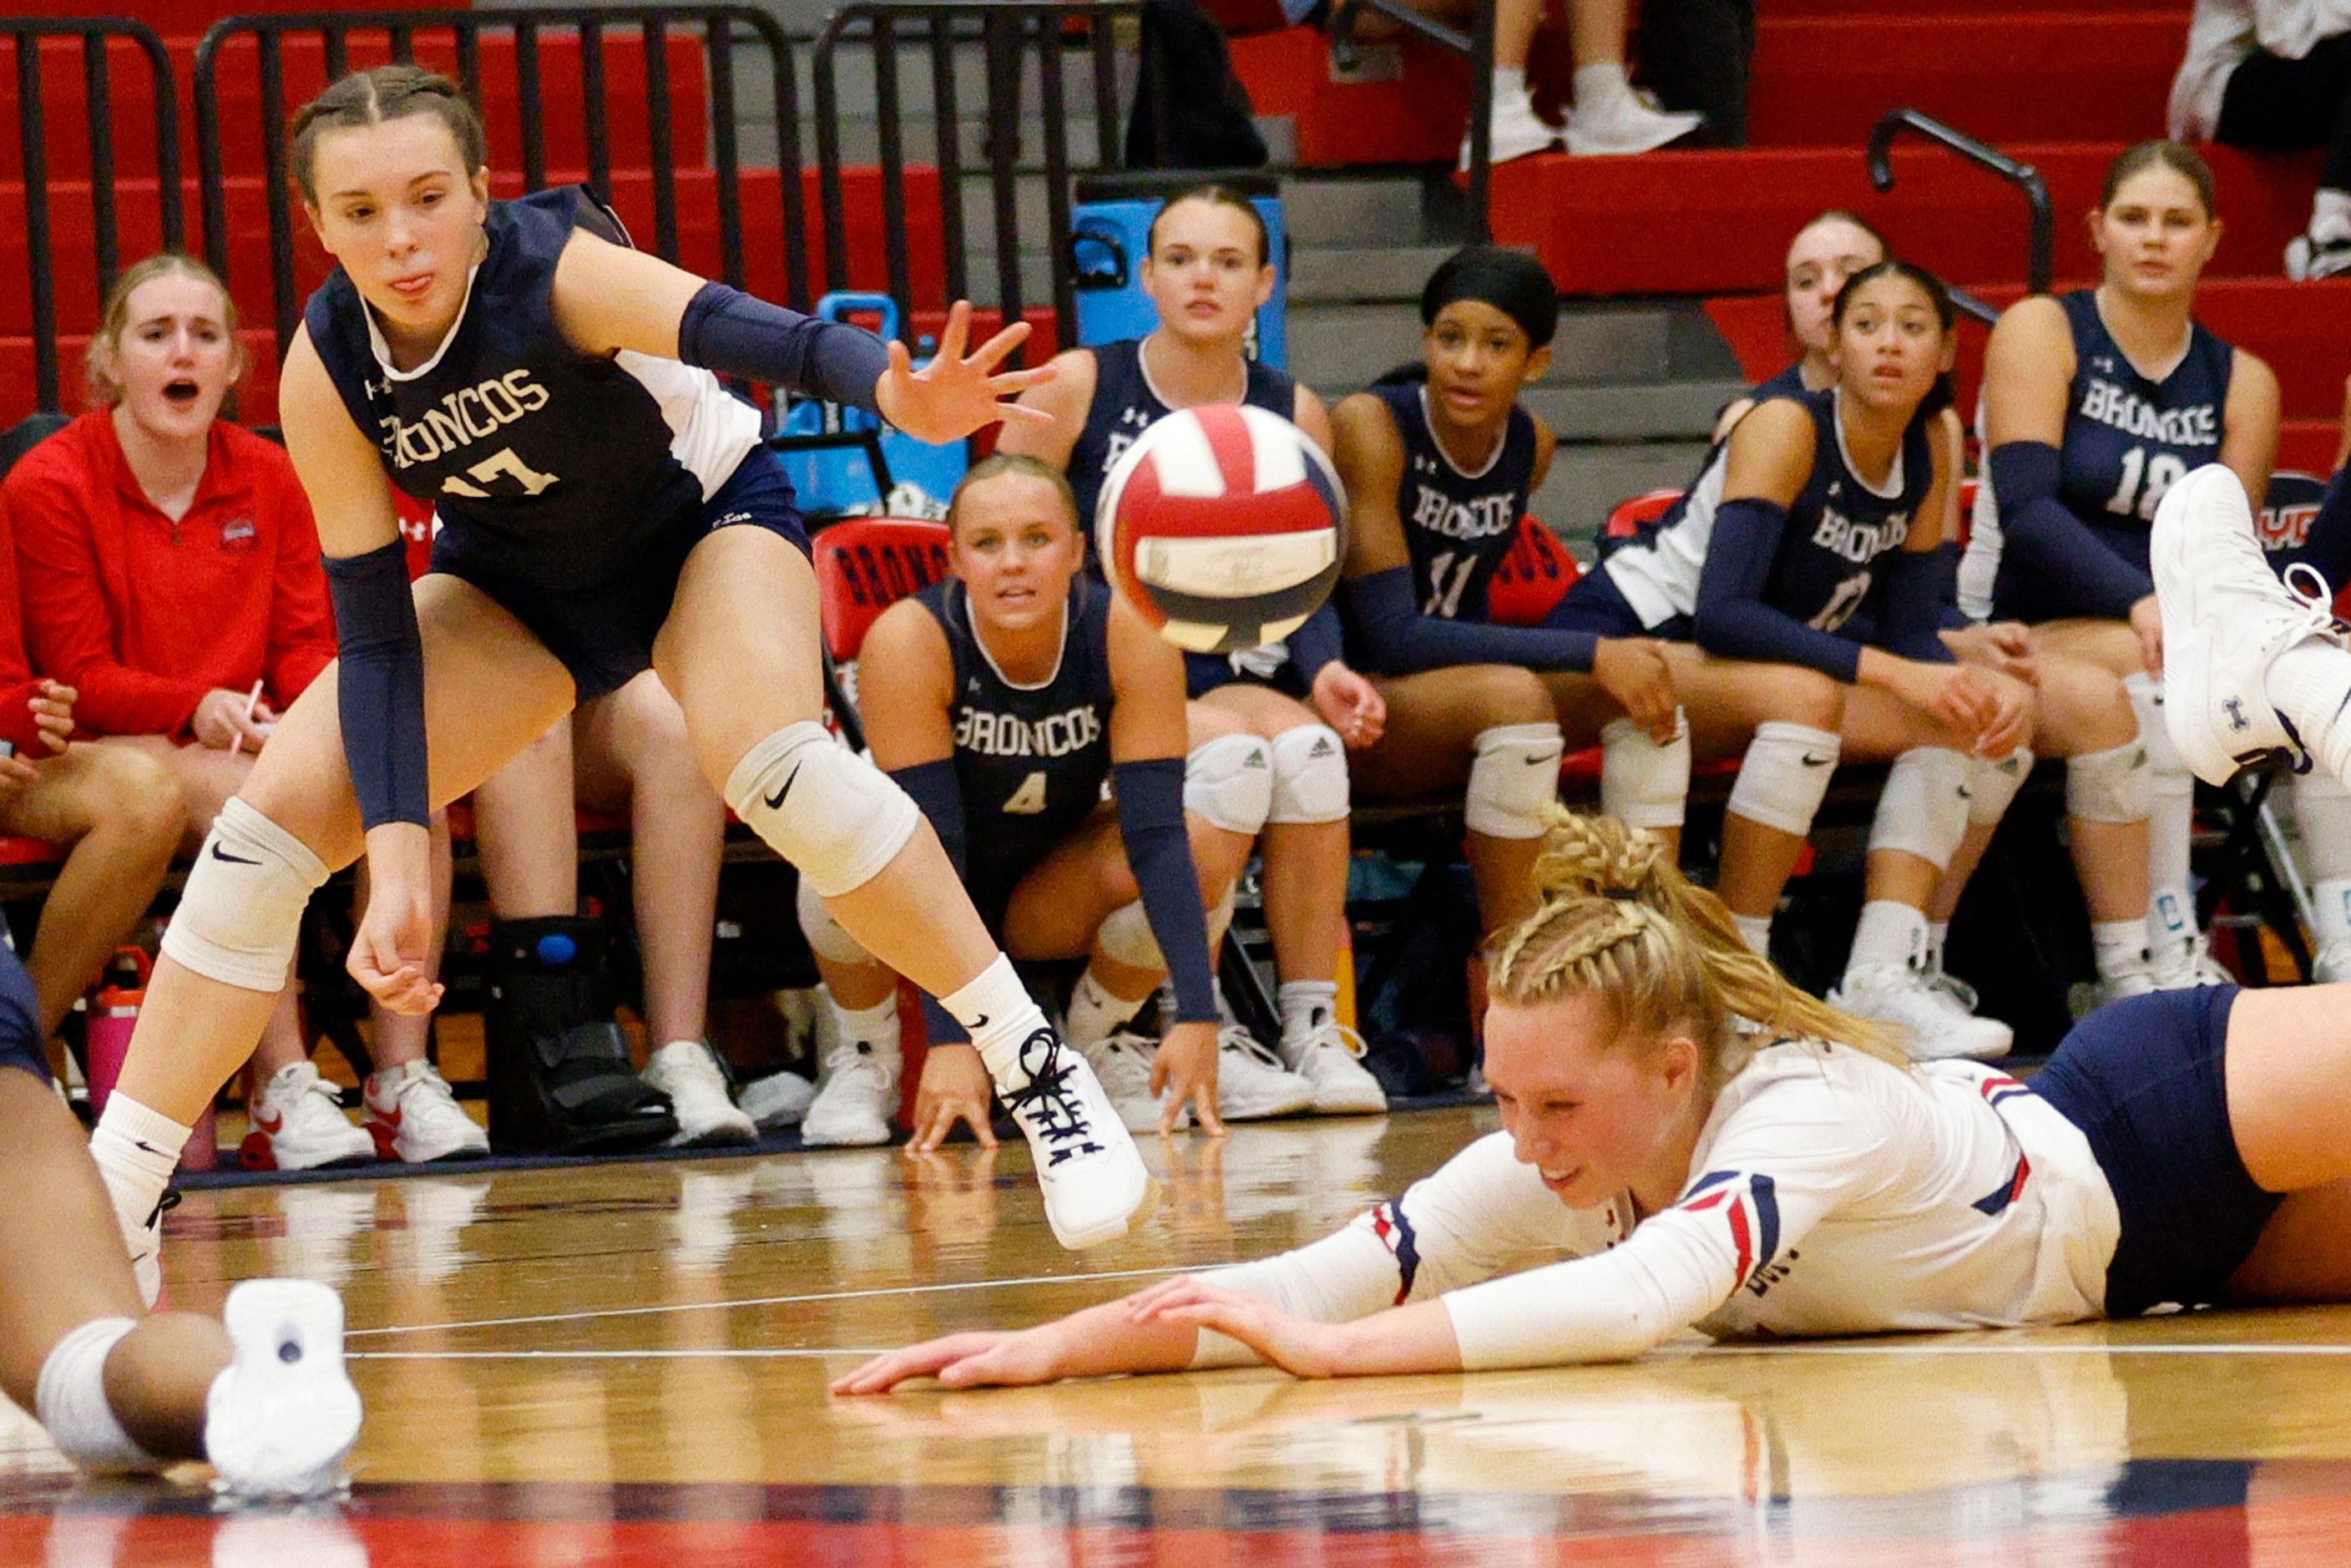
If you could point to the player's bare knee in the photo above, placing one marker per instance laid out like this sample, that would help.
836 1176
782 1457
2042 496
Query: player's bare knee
137 795
1796 695
1507 694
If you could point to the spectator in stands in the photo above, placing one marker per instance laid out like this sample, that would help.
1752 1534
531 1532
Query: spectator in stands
2275 76
115 814
1209 271
1609 116
2095 402
180 594
2084 715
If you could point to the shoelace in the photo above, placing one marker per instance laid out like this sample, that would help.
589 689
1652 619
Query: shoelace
1234 1037
1047 1103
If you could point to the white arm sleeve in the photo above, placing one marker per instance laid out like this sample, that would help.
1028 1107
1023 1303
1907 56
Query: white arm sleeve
1481 1215
1776 1165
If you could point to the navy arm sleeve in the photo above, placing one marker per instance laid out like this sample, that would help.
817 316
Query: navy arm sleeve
1159 852
1734 621
934 789
2047 537
1919 584
727 331
1316 643
380 687
1398 640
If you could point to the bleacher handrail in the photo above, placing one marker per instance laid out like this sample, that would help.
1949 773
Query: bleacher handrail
94 31
2024 177
718 23
1004 29
1477 46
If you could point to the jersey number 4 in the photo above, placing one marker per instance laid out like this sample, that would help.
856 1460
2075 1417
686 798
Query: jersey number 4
503 463
2129 498
1029 799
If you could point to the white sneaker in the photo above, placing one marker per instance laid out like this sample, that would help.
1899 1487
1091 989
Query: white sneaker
2331 965
1251 1081
1092 1176
779 1100
1933 1023
299 1124
2307 259
856 1095
1515 130
2186 962
1623 125
691 1074
414 1118
1330 1061
281 1419
1122 1064
143 1239
2226 617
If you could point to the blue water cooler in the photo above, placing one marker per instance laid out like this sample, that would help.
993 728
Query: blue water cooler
1110 235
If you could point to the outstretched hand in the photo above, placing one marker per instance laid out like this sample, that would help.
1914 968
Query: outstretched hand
960 1361
953 396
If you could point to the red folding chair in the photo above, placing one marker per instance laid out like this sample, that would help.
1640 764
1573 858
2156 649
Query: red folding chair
863 566
1630 516
1534 576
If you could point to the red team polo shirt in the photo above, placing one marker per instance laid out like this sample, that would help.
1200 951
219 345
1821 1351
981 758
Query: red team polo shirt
143 615
16 684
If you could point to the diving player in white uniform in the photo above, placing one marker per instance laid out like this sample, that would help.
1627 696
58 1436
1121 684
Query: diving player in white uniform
1688 1142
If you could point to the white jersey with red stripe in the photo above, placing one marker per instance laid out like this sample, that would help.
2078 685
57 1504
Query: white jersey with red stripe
1830 1193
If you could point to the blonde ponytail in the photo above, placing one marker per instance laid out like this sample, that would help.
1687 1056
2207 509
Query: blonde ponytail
1617 919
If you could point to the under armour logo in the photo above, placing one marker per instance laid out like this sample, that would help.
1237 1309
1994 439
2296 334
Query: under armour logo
1137 417
2236 712
378 389
2104 362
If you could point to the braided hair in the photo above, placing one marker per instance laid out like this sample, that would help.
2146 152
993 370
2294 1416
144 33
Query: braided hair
1618 920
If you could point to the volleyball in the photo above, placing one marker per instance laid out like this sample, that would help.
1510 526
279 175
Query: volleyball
1224 525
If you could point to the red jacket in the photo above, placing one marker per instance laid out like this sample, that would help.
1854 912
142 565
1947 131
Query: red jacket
143 615
17 686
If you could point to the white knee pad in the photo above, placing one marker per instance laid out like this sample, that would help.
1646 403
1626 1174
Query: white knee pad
1310 776
2163 759
826 937
1229 782
1642 784
831 813
1513 780
1785 775
1125 934
69 1399
1924 810
2108 786
241 915
1992 784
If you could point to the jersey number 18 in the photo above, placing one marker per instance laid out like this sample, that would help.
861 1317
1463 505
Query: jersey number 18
2160 474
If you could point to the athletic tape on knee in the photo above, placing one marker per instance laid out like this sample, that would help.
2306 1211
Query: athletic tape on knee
1642 784
1310 776
834 815
2108 786
70 1399
1924 809
1513 780
1125 935
826 938
241 915
2163 759
1785 775
1229 782
1992 784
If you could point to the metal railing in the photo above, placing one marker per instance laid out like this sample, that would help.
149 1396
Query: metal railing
98 37
1003 38
1476 45
319 47
2026 178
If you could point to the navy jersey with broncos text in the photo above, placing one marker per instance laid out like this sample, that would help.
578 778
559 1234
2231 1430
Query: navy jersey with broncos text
550 465
1458 526
1029 759
1126 404
1840 524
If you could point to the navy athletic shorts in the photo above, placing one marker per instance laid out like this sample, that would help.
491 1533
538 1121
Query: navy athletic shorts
20 1018
2142 1078
1596 605
1204 672
604 636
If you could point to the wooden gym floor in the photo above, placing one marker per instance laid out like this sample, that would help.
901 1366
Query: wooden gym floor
626 1364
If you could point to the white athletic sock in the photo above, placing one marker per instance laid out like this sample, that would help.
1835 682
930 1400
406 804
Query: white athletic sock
2330 216
2119 946
1757 930
997 1011
1306 1006
1598 88
1938 933
136 1150
2331 908
70 1398
1509 82
878 1021
1095 1012
1889 933
2310 683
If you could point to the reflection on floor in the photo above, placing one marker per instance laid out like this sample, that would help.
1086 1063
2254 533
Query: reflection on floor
627 1363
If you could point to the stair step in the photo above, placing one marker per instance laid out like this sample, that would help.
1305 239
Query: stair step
1354 213
1651 411
1328 276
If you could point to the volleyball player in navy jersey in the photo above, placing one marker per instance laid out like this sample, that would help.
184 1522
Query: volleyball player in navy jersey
2081 711
1209 271
606 507
2095 403
1003 698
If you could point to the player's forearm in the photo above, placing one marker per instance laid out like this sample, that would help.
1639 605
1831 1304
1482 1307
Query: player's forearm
1101 1340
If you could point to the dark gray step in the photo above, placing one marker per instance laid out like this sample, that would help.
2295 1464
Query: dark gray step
1636 412
1587 482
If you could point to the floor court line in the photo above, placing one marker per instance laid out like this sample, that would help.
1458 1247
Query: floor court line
765 1301
727 1354
1694 1353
